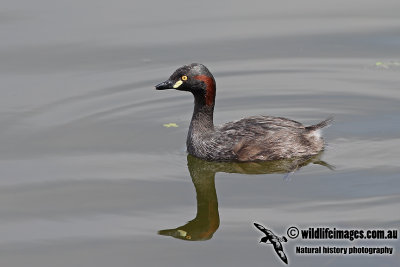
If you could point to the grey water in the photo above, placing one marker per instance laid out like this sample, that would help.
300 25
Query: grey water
91 176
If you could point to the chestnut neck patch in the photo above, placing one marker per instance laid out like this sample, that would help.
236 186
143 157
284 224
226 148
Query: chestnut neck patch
210 88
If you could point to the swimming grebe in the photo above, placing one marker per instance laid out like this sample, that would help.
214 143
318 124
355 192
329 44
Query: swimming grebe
256 138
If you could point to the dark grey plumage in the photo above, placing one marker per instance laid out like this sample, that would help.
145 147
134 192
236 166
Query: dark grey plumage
256 138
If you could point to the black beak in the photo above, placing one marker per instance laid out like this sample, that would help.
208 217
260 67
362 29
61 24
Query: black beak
164 85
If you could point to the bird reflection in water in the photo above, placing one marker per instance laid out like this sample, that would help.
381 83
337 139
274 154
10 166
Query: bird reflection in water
202 172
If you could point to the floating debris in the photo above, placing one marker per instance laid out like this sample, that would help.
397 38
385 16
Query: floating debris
172 124
387 65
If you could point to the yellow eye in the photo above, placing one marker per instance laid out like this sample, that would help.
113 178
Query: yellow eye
184 78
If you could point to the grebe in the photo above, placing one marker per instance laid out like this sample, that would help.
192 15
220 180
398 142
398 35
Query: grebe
256 138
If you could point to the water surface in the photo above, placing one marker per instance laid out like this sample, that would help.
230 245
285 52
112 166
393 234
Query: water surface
89 174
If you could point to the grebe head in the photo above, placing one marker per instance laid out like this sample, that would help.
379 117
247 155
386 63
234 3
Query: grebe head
195 78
